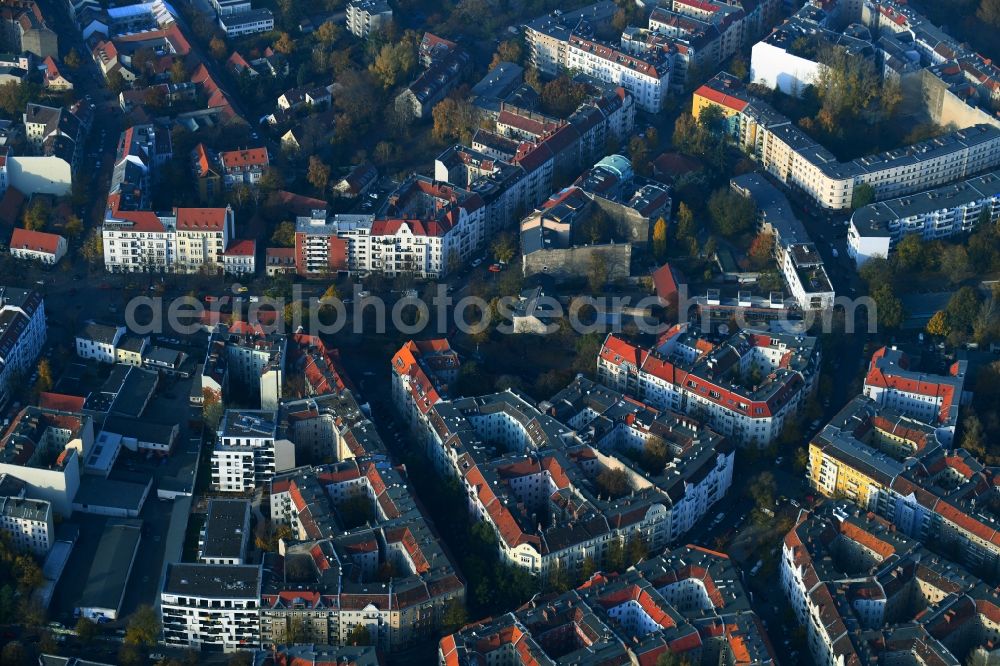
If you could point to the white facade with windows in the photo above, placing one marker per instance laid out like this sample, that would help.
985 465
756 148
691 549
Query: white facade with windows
211 606
29 523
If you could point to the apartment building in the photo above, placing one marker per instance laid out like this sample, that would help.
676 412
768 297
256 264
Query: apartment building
142 150
352 522
28 522
893 380
24 29
99 342
244 358
247 453
39 246
367 16
863 448
791 156
866 593
544 460
946 211
796 255
184 240
688 601
646 76
211 606
445 64
46 448
247 22
59 132
547 37
23 331
243 167
746 387
226 535
421 374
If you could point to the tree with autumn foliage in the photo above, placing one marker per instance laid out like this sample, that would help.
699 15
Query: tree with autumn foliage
938 324
761 250
660 238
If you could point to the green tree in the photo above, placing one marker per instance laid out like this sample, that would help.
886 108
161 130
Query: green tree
669 658
359 635
635 550
955 263
638 152
178 72
660 233
876 271
116 82
655 454
394 63
73 227
318 174
92 250
731 213
613 482
455 616
72 58
143 628
503 247
597 271
36 217
863 195
962 309
562 95
889 308
284 235
15 654
86 630
911 253
989 12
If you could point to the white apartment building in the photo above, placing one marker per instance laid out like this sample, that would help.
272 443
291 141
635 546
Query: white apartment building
250 358
247 454
954 209
790 155
226 534
645 76
367 16
99 342
186 240
22 334
29 523
37 246
211 606
247 22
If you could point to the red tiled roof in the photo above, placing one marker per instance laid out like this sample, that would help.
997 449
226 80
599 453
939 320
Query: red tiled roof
60 401
37 241
238 159
246 247
721 98
201 219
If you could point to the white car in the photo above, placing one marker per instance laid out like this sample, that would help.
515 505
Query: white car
476 263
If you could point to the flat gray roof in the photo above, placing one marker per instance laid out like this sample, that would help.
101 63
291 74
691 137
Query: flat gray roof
224 528
112 565
874 219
